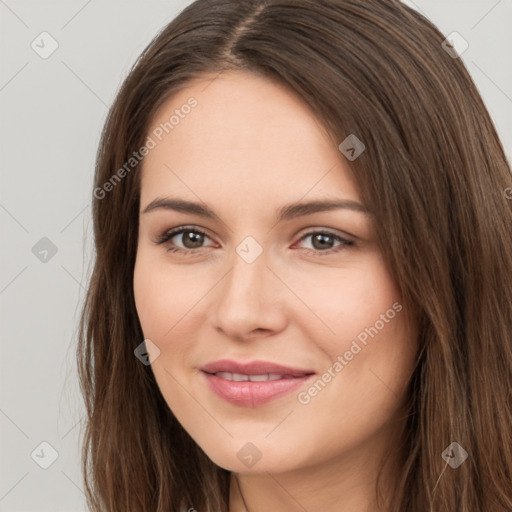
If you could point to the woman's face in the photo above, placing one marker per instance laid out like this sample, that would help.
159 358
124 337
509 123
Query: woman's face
305 287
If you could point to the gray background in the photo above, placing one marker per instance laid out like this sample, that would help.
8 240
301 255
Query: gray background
52 112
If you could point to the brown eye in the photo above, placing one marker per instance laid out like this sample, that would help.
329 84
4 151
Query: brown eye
323 242
190 238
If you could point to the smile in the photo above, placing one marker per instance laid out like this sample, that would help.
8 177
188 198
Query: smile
252 390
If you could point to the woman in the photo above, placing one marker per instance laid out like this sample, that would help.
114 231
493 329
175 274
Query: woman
229 360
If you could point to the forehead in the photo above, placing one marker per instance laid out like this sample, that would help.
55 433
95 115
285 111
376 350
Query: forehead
245 135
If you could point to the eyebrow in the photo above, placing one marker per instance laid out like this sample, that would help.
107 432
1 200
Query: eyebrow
287 212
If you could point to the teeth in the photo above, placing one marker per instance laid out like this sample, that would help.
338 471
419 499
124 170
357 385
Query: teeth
239 377
270 376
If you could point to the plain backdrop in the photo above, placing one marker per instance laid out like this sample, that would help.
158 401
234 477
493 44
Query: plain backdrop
53 110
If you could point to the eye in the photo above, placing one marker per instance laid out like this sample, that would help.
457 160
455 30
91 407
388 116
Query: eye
193 239
321 240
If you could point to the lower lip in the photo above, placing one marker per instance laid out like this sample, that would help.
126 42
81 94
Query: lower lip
252 394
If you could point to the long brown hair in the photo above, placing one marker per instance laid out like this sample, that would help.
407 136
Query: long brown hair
433 173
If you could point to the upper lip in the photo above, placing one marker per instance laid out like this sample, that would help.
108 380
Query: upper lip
253 368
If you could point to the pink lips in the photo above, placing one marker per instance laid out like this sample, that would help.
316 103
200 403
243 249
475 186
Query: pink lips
252 393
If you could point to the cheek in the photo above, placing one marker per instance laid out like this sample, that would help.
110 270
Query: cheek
347 301
162 300
361 328
162 297
147 291
369 363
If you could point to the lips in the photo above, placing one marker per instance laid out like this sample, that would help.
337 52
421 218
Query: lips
254 368
253 384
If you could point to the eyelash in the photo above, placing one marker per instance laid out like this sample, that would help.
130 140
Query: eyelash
187 252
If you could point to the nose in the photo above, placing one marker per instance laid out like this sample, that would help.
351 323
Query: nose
249 300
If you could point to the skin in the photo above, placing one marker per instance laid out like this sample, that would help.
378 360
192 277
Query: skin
249 147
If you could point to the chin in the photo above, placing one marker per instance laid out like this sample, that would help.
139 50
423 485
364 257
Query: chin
246 457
